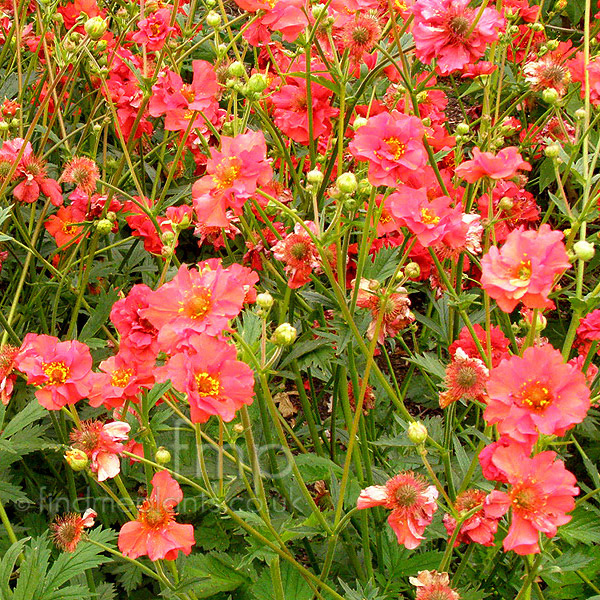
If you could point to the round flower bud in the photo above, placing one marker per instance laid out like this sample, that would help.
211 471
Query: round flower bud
315 177
552 44
167 251
550 96
4 126
350 203
95 27
412 270
213 19
346 183
537 26
359 122
580 114
101 45
364 186
238 428
417 433
104 226
584 250
257 83
505 203
462 129
265 300
58 18
162 456
552 150
167 238
236 69
560 5
318 11
76 459
284 335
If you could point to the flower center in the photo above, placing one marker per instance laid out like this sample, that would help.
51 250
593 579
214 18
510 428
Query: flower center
524 271
429 217
460 25
360 35
120 377
554 73
298 250
207 385
406 495
56 372
153 516
467 377
397 147
523 498
536 395
188 93
198 305
227 172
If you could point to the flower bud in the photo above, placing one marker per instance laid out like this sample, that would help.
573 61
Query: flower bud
257 83
537 26
213 19
550 96
104 226
238 428
162 456
580 114
265 300
505 204
315 177
552 150
4 126
359 122
77 459
236 69
364 187
167 238
584 250
346 183
167 251
284 335
462 129
101 45
552 44
95 27
318 11
417 433
412 270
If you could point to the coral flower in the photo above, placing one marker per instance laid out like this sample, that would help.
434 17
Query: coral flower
233 174
453 34
537 393
432 585
7 376
499 343
392 143
503 165
541 493
102 444
480 527
61 369
525 268
465 378
155 533
68 529
61 225
83 172
154 30
210 374
411 501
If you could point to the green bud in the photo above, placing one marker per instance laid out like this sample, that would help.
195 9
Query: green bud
104 226
236 69
580 114
347 183
359 122
284 335
505 204
162 456
315 177
318 11
552 150
213 19
462 129
584 250
417 433
364 187
265 300
95 27
412 270
4 126
167 238
552 44
76 459
551 96
257 83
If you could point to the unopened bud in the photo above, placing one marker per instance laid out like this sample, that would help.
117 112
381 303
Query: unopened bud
238 428
265 300
552 150
318 11
580 114
257 83
315 177
417 433
462 129
95 27
77 459
346 183
359 122
162 456
284 335
364 186
4 126
167 251
550 96
412 270
167 238
584 250
505 204
552 44
236 69
104 226
213 19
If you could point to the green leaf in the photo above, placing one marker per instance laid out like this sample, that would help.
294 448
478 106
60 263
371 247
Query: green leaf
211 534
129 577
294 585
33 570
572 560
584 527
314 468
218 572
100 314
429 363
31 413
7 566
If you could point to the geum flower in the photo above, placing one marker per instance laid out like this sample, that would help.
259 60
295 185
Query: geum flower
541 493
102 444
392 143
61 369
68 529
155 533
432 585
536 393
233 175
503 165
411 501
524 269
215 382
480 527
466 377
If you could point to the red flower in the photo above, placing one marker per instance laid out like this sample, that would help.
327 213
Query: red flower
68 529
155 533
537 393
432 585
525 268
503 165
465 378
392 143
102 444
62 369
8 355
499 343
61 225
453 34
210 374
154 30
541 493
233 174
480 527
83 172
411 501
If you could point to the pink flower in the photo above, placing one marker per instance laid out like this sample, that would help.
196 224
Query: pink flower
210 374
525 268
392 143
8 377
61 369
411 501
444 30
465 378
233 175
432 585
537 393
102 444
540 494
480 527
155 533
68 529
503 165
499 343
154 30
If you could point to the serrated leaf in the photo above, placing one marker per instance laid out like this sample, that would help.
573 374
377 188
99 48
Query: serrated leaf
294 585
314 468
32 570
129 577
99 315
7 567
429 363
31 413
218 571
211 534
584 528
12 493
572 560
383 265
